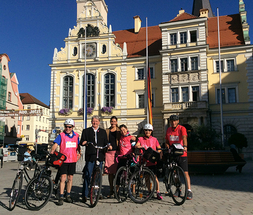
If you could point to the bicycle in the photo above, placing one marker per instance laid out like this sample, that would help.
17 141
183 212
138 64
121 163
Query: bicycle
122 176
40 188
18 181
96 178
142 183
174 179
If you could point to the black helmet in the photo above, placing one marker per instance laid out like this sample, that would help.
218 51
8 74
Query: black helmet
174 117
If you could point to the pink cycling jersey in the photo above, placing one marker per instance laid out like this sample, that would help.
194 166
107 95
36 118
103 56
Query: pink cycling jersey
125 146
69 146
149 142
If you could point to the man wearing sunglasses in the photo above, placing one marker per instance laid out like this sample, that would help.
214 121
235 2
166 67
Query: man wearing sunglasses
68 141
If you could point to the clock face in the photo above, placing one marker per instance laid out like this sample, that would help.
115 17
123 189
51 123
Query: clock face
90 50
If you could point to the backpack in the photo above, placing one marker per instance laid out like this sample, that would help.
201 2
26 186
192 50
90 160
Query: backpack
56 159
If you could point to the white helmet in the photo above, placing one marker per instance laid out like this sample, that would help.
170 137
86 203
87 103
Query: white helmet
148 127
69 122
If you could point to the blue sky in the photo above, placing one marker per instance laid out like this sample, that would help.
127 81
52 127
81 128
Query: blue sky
31 29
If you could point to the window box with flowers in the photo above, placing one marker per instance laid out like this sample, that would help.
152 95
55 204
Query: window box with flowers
65 112
89 111
107 110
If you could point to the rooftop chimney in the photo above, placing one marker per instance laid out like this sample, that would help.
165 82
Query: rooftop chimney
137 24
203 13
180 12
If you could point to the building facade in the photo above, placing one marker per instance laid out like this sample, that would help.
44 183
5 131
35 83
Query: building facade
10 126
32 123
183 58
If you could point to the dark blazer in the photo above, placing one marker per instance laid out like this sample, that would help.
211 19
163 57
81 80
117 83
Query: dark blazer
88 135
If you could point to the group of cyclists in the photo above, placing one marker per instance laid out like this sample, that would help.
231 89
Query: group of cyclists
121 143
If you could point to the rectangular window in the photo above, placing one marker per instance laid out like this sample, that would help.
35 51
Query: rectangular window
194 63
27 127
152 75
141 101
173 65
184 66
173 39
9 96
223 96
28 118
140 74
193 35
218 68
230 65
174 92
27 137
185 94
109 93
183 37
231 95
195 94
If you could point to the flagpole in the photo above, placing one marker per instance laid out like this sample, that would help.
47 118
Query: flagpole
221 105
147 69
85 87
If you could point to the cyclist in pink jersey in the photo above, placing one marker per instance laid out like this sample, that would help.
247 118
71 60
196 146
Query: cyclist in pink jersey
125 144
178 134
68 141
149 141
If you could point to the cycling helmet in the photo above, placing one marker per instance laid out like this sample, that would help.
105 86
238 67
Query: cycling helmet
148 127
69 122
30 148
174 117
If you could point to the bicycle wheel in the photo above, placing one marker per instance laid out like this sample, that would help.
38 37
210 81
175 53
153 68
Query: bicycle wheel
142 185
15 191
120 184
95 187
38 192
178 185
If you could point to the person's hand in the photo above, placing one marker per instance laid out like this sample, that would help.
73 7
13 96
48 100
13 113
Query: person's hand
133 138
52 152
110 147
185 148
84 143
78 156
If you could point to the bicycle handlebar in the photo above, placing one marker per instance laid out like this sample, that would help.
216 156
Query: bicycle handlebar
125 156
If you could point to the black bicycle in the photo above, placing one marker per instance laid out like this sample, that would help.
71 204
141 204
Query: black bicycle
40 188
122 176
21 174
142 183
175 180
96 178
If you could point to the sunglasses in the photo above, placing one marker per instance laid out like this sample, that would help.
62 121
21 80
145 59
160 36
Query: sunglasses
148 130
68 126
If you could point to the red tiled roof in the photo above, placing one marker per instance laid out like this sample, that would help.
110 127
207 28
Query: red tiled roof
183 16
136 42
26 98
231 33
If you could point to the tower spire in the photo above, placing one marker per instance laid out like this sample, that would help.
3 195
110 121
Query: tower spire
201 4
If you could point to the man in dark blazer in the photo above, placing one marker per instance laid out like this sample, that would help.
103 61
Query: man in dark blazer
97 136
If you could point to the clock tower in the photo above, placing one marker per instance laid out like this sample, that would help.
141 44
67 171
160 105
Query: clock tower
100 4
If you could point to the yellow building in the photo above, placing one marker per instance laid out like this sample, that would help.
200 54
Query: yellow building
115 66
31 123
183 58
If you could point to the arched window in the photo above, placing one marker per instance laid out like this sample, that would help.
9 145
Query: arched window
68 92
90 81
75 51
228 131
109 90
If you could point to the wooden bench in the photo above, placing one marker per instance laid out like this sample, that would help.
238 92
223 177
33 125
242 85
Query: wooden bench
211 162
